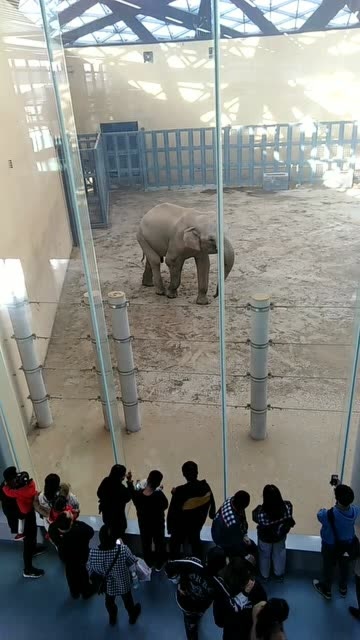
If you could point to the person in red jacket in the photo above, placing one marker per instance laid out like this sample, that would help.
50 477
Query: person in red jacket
23 489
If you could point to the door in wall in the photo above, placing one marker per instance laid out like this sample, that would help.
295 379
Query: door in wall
122 149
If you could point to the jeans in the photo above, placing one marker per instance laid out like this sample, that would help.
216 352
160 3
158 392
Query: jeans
331 558
30 533
180 536
276 552
191 622
149 535
78 580
112 609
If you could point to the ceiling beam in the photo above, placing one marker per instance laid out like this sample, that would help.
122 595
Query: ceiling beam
139 29
204 15
257 17
69 37
322 15
75 10
159 9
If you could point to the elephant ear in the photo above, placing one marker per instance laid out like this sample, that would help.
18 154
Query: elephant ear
192 239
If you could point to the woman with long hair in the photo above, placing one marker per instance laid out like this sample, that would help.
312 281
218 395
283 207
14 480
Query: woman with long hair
113 498
112 561
268 619
274 520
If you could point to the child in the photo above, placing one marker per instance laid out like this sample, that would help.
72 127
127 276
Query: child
59 507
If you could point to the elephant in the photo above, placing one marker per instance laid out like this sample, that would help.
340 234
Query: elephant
176 234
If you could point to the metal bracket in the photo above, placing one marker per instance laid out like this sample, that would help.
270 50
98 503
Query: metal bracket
123 340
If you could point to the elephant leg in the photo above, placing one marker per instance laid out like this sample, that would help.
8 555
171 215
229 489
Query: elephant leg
147 278
203 268
175 267
153 260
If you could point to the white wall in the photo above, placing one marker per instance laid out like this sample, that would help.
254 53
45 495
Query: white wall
34 219
264 80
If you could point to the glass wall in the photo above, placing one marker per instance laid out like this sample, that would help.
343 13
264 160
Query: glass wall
254 141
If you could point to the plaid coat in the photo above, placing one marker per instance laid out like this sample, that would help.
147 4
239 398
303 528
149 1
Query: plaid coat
118 581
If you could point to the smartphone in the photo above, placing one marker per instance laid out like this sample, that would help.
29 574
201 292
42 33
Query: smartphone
334 480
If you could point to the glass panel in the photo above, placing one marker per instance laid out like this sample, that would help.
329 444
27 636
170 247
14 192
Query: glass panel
158 99
44 276
291 145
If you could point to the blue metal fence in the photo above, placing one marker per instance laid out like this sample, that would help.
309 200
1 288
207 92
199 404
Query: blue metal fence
186 157
96 178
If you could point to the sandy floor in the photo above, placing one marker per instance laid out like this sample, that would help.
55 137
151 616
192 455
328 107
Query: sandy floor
299 246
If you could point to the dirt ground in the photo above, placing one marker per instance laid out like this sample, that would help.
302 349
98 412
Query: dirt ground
299 246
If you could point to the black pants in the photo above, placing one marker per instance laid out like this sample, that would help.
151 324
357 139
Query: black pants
12 517
191 622
331 558
149 535
30 533
111 606
116 522
78 580
179 537
357 585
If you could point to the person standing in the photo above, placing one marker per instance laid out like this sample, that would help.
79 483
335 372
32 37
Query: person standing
113 498
197 586
229 529
274 520
112 561
45 501
23 489
151 504
234 604
268 619
190 505
339 543
9 505
72 538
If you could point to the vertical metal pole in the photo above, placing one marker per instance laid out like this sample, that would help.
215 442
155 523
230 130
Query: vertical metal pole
19 313
355 475
98 301
220 239
125 361
259 342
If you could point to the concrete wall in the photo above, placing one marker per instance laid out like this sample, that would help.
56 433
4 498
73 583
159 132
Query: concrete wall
264 80
34 219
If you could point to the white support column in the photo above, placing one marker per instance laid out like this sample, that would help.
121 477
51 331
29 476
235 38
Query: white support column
259 342
20 317
125 361
97 365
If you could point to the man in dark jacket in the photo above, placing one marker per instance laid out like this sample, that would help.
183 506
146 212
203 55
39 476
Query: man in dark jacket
233 604
113 498
230 527
72 541
197 586
339 544
190 505
9 505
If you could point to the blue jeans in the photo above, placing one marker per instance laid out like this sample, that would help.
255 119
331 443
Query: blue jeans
275 552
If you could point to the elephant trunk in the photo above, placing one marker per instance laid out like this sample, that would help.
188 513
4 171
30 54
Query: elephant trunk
229 258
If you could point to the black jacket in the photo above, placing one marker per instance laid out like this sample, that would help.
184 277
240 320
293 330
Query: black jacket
113 498
9 505
197 588
150 509
190 505
234 615
73 546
